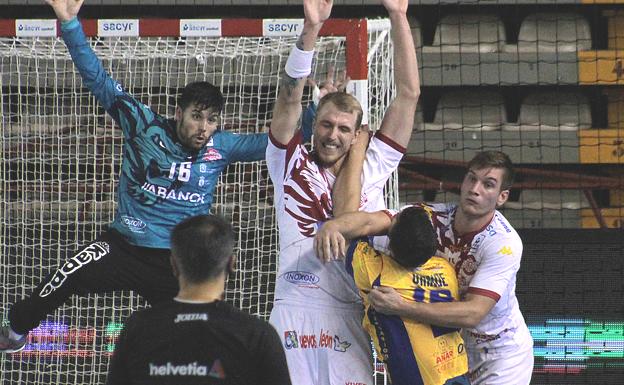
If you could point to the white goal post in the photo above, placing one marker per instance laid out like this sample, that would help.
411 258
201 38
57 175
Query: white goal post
61 154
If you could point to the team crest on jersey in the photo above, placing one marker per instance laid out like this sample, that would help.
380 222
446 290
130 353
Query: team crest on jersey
212 155
307 195
458 252
476 243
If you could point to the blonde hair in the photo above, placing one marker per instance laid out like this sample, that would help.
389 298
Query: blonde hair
344 102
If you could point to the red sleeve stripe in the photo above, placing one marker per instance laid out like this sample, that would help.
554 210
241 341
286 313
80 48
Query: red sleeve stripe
275 142
484 292
390 142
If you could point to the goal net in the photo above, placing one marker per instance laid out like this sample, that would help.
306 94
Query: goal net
61 155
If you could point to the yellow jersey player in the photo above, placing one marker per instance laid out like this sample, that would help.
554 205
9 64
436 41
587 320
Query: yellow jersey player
413 352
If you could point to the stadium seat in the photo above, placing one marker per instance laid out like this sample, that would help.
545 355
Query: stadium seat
553 31
419 121
445 197
468 33
469 110
546 209
416 32
563 111
549 199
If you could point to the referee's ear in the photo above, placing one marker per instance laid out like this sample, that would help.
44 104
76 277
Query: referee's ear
174 268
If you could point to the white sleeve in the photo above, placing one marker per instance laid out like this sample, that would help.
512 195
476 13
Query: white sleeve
499 264
276 161
382 159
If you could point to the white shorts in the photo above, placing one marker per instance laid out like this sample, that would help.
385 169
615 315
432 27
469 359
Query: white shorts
324 346
509 367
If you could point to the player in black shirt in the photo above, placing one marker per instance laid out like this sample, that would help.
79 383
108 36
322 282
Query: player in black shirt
196 338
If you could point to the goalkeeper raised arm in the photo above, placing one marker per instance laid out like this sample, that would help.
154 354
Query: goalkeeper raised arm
169 171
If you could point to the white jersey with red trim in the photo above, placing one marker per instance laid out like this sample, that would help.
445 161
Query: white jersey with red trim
302 200
486 263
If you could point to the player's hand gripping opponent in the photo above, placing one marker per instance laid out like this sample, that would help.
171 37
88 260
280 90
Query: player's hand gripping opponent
329 243
386 300
65 10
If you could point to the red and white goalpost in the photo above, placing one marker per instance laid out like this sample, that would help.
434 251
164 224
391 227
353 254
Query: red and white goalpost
60 156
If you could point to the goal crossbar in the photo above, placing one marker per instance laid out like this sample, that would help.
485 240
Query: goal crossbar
354 31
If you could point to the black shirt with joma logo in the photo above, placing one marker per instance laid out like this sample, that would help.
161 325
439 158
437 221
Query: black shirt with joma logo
190 343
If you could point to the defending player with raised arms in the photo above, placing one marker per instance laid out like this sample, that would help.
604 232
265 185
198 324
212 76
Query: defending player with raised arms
317 309
485 251
169 170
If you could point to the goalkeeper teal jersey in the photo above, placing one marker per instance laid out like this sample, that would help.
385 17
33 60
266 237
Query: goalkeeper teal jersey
161 182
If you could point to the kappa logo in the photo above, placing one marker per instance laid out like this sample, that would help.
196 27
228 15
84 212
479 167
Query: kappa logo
505 250
91 253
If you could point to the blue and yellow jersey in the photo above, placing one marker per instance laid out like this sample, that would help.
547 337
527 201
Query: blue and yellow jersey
161 182
414 353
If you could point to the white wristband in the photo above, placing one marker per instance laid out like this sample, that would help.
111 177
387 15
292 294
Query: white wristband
299 63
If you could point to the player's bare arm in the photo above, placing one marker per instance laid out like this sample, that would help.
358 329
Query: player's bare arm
330 241
65 10
398 120
466 313
288 104
348 186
